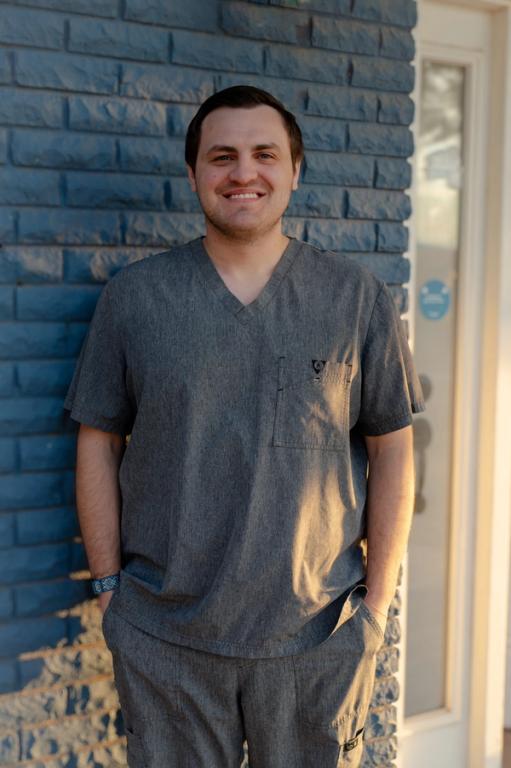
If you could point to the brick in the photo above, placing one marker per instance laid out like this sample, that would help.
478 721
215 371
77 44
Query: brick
32 563
294 227
22 340
44 377
382 74
393 174
197 49
6 303
239 19
291 94
193 14
47 452
42 526
152 155
21 107
3 146
323 133
330 6
392 237
373 204
6 603
29 415
68 664
348 103
397 43
395 108
98 265
93 730
116 38
63 150
341 235
79 560
385 692
90 7
56 302
93 113
5 67
179 118
41 598
402 13
65 72
8 683
387 660
90 190
44 705
7 530
182 198
318 66
376 139
390 267
344 35
162 229
26 635
28 187
382 752
333 168
32 265
69 227
7 226
318 200
168 83
7 387
34 28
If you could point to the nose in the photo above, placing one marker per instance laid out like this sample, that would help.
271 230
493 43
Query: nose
244 170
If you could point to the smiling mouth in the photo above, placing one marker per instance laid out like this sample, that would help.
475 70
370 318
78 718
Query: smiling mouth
244 196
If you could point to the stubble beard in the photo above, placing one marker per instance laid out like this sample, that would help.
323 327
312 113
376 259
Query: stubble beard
231 231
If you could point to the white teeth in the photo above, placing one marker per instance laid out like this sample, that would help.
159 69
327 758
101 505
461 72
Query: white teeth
247 195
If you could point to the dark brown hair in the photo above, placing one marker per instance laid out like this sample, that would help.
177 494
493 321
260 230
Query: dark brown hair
241 96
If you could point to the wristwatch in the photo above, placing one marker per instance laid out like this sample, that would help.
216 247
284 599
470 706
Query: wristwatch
106 583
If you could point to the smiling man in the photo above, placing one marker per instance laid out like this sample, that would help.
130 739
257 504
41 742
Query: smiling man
268 391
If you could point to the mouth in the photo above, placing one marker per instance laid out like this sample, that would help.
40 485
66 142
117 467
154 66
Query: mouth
245 196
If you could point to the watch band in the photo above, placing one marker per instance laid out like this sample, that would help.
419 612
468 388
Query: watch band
106 583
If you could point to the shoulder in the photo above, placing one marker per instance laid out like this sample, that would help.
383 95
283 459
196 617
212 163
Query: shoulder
148 269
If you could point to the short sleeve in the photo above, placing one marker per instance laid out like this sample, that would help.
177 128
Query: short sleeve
98 395
391 391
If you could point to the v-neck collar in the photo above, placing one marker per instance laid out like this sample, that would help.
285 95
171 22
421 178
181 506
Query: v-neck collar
211 276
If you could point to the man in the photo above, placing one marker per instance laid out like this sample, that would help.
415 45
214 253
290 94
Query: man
257 377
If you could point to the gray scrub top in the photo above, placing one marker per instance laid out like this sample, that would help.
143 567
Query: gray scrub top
244 480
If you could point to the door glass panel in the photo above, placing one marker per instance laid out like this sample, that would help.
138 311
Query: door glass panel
439 180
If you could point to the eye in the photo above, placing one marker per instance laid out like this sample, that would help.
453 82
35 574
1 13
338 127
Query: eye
223 157
265 155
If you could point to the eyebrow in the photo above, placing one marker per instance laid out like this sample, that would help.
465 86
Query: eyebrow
225 148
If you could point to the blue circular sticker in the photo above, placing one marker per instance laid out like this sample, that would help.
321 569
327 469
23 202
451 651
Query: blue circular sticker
434 299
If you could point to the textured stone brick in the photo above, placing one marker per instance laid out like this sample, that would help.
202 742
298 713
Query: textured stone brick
182 198
115 38
33 265
5 67
323 133
319 66
25 340
45 597
41 526
392 174
65 72
93 113
387 661
90 7
7 530
66 665
294 227
8 683
344 35
395 108
179 117
331 101
36 28
308 200
63 150
392 237
377 139
382 74
6 603
69 227
28 187
381 723
403 13
45 561
192 14
196 49
152 155
78 557
341 235
79 732
292 94
25 635
330 6
392 268
6 303
3 146
99 265
168 83
90 190
339 169
56 302
7 226
162 229
240 19
29 415
9 747
47 452
44 377
373 204
7 384
27 108
397 43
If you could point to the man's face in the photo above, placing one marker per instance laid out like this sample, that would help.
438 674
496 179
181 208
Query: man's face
244 174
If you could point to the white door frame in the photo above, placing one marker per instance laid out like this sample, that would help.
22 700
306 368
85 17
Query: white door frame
492 527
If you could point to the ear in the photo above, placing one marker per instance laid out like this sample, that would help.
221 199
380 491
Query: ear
191 178
296 174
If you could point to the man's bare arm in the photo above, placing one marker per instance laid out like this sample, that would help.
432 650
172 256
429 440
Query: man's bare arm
98 500
389 513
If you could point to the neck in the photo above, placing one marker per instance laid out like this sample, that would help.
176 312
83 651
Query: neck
242 257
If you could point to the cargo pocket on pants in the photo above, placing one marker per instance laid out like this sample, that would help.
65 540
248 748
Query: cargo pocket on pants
134 749
334 684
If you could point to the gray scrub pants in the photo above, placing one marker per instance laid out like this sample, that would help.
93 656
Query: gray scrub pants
185 708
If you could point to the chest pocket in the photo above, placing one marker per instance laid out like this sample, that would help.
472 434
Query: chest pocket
312 406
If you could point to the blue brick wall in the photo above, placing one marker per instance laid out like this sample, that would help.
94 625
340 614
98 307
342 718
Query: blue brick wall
95 98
